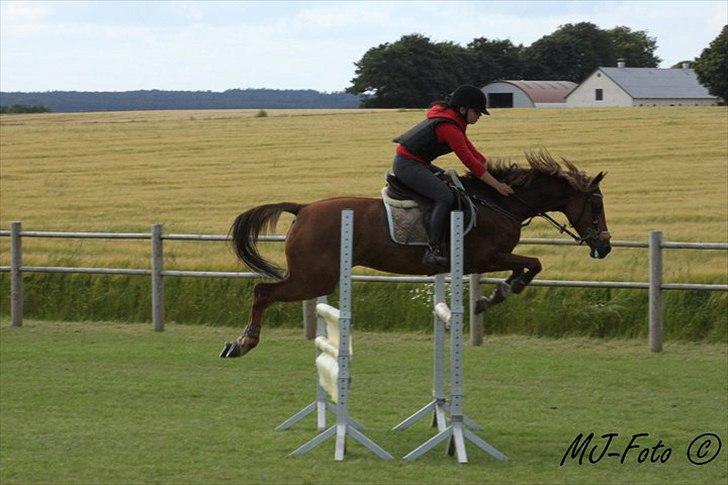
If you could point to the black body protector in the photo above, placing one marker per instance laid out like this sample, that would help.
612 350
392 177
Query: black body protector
421 140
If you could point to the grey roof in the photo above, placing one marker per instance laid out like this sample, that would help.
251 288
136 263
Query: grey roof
648 82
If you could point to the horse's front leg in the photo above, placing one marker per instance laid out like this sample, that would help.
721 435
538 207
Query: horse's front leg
523 268
520 278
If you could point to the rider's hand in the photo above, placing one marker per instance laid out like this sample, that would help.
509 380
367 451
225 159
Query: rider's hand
504 189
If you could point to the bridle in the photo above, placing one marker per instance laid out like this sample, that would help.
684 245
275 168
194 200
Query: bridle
595 202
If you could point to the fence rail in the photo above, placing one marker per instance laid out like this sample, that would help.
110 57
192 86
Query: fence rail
655 245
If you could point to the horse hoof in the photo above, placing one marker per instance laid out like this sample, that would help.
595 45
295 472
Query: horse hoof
238 348
482 305
230 350
517 287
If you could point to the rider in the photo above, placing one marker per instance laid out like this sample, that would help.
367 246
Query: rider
442 132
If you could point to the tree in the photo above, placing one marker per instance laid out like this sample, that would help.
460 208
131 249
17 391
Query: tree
679 65
23 108
411 72
635 48
571 53
494 59
712 65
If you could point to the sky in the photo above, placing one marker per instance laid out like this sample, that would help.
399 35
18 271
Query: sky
212 45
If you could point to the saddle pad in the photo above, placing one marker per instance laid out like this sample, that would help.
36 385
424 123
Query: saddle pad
404 219
405 225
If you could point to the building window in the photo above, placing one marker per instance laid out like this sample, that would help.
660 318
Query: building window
598 94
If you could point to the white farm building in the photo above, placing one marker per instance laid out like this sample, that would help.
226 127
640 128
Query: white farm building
640 86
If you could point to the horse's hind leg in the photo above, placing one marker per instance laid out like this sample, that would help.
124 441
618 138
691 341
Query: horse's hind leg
293 288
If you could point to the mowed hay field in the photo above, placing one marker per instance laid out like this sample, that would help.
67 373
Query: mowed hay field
195 171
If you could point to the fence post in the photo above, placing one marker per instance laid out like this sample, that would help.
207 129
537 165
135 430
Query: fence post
309 319
16 276
655 298
476 321
157 281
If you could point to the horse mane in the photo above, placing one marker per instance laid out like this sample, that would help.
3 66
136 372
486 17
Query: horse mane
540 162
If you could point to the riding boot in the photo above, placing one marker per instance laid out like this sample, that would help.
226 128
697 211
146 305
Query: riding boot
434 258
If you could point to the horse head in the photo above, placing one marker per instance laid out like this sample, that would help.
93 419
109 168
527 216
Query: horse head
585 212
578 196
548 185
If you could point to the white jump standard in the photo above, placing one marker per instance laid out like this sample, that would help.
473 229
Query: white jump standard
456 430
439 407
322 403
344 424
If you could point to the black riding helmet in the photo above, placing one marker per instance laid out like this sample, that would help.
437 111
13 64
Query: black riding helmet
469 97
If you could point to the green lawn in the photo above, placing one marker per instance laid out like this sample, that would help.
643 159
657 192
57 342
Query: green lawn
118 403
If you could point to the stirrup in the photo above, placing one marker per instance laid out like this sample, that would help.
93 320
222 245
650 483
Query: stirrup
433 257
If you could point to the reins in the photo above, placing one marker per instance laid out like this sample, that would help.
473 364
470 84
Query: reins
561 227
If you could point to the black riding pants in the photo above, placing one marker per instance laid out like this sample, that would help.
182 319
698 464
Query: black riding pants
420 178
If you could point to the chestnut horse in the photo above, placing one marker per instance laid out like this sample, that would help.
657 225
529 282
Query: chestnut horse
312 244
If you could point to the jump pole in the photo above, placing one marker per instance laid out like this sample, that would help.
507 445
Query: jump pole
344 425
456 431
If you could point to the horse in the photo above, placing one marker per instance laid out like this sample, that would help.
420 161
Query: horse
312 243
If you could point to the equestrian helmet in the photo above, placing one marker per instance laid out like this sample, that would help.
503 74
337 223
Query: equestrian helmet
469 97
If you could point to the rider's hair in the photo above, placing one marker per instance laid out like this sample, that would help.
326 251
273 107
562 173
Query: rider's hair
440 102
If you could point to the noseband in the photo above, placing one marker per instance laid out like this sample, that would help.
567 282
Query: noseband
592 234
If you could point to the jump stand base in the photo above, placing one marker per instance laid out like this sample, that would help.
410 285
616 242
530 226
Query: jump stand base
340 431
458 434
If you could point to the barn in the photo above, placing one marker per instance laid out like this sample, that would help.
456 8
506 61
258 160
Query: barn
641 86
528 94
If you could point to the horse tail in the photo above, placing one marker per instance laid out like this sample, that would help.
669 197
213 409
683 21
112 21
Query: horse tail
248 226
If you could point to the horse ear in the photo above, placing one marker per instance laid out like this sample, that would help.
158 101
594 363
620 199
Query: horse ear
594 184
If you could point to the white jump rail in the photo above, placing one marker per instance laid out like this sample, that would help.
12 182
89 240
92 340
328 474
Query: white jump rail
654 285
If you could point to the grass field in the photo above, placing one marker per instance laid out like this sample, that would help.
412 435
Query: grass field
118 403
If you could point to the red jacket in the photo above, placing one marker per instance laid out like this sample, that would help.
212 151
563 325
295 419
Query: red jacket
455 137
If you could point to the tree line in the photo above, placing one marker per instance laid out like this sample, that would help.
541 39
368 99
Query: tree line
414 71
75 101
23 108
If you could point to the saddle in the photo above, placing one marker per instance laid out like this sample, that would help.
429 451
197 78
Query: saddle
408 213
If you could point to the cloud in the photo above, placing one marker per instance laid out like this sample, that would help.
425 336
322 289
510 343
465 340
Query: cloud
195 45
22 18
